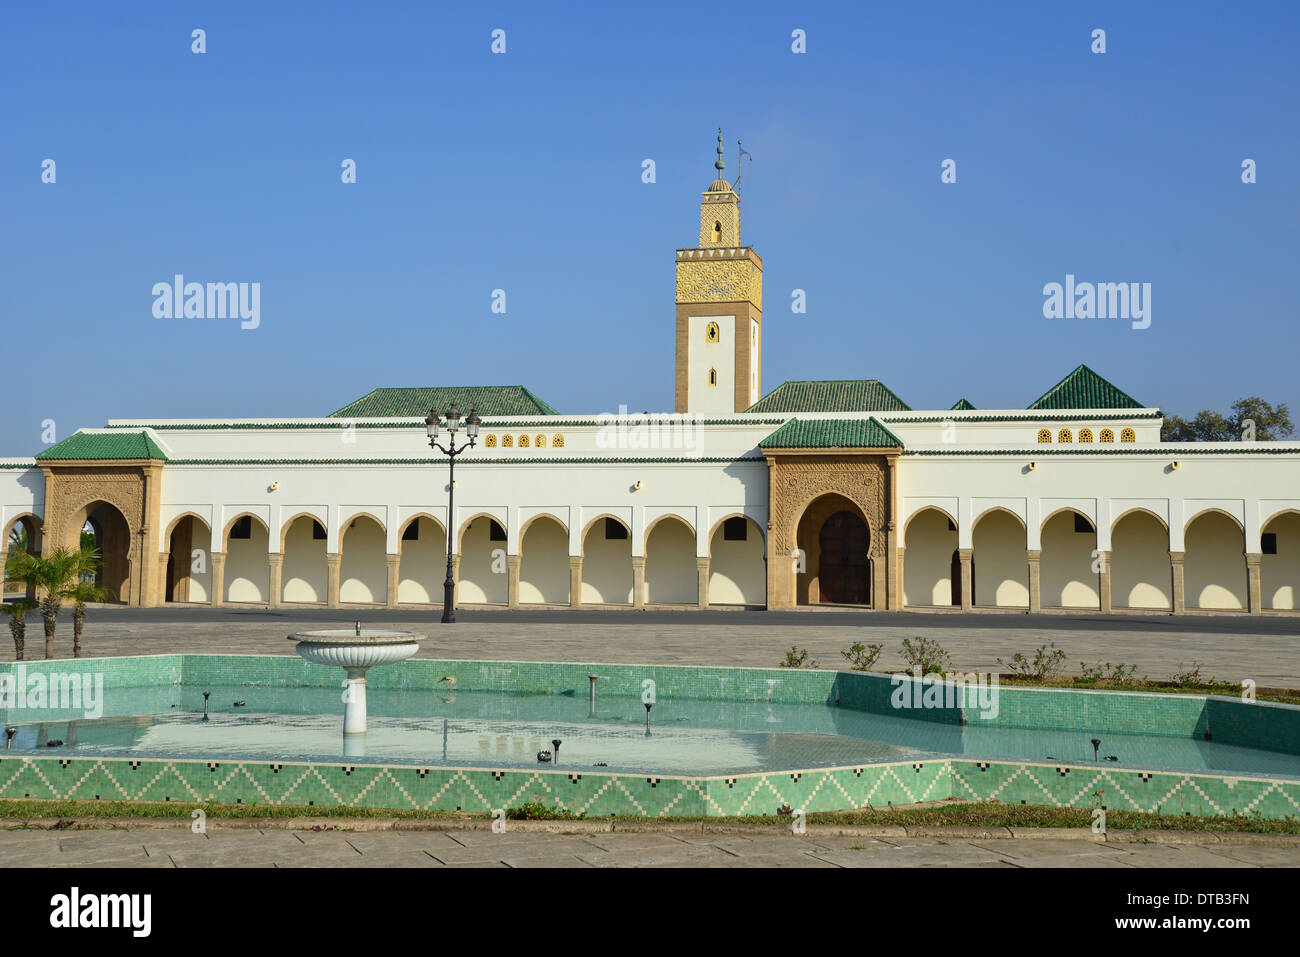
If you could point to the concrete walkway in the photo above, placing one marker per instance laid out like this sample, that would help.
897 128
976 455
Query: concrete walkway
244 846
1227 647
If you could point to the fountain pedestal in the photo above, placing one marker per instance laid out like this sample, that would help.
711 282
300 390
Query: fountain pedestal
356 652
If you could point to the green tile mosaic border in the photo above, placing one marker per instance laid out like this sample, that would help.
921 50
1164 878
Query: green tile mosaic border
597 795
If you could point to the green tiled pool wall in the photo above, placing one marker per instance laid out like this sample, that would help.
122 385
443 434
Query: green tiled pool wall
597 795
1265 725
1276 727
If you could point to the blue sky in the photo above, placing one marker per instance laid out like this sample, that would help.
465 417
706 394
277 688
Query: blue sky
522 172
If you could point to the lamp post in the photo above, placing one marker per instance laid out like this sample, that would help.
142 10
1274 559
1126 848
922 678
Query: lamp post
452 425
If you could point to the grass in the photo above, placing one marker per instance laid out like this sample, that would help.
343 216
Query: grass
985 814
1279 695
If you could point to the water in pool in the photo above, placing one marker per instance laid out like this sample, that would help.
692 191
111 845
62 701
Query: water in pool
490 729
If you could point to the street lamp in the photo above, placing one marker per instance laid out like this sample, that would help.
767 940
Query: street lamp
452 425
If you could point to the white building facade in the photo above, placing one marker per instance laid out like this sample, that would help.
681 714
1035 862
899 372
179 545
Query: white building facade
817 493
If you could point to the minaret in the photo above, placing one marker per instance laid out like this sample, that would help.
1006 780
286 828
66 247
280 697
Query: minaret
719 310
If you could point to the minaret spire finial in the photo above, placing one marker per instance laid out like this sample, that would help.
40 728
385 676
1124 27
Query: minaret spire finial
718 164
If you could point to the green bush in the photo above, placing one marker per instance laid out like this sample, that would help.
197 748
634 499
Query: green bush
926 654
798 658
1044 665
861 657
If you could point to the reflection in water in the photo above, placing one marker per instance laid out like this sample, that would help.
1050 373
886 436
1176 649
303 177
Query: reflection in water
470 728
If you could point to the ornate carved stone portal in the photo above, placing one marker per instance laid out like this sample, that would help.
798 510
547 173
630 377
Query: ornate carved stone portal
807 488
121 501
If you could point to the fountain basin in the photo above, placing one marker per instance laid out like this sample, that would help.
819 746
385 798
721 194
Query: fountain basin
355 651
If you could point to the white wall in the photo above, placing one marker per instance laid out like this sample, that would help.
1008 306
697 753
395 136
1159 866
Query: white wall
1214 563
544 564
606 568
484 572
1140 575
701 356
248 572
671 577
1001 565
363 570
422 568
304 576
738 570
927 559
1280 573
1066 578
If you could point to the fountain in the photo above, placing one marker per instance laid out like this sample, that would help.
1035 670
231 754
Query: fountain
356 652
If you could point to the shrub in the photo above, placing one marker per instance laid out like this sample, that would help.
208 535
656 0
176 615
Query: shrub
1044 665
926 654
798 658
1115 674
861 657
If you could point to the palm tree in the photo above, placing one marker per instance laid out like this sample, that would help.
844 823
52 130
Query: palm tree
79 594
17 612
53 575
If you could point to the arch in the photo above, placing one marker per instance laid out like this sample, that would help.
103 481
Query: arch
671 516
464 527
380 519
670 571
422 561
171 526
1044 436
1085 435
1067 578
483 575
1279 569
523 529
1137 509
928 508
544 561
1218 511
1214 562
188 576
1106 435
1127 435
402 527
31 520
808 529
363 560
1064 436
305 571
737 570
711 332
1139 561
247 575
225 532
604 515
929 540
113 539
607 564
32 526
285 526
999 560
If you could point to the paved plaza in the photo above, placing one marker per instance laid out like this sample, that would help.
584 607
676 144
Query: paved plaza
173 845
1229 647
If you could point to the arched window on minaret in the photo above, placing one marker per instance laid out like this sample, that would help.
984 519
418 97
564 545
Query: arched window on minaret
711 332
713 377
717 231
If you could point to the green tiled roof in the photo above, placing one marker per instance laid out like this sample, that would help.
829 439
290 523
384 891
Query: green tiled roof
484 399
963 405
831 434
99 445
1084 389
834 395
